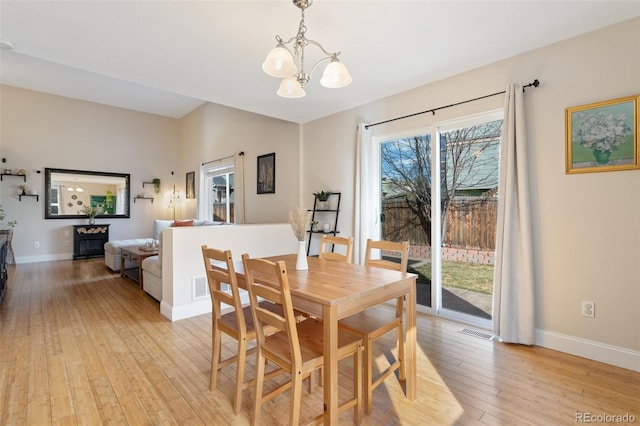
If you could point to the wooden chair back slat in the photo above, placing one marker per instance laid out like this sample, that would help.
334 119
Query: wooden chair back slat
330 240
389 246
219 268
269 281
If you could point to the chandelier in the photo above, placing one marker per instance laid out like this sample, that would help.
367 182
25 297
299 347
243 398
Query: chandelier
282 63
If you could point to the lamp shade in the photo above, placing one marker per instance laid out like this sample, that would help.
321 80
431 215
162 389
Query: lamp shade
335 75
279 63
290 88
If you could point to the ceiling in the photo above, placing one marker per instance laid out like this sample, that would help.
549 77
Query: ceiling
168 57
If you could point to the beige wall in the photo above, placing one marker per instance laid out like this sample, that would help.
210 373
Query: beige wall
215 131
40 130
586 227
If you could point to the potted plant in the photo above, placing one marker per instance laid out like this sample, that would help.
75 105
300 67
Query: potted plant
92 212
7 229
156 184
23 187
322 197
9 225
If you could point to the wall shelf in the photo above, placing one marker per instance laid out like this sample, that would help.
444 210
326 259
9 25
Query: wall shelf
143 198
2 175
37 197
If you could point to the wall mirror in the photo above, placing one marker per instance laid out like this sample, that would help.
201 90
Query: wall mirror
67 191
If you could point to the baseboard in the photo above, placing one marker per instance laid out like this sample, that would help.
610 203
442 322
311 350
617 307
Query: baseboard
43 258
614 355
175 313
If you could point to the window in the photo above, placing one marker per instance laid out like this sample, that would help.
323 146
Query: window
218 195
54 200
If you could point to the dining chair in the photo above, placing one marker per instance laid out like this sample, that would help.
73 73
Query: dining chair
238 323
376 322
327 252
297 347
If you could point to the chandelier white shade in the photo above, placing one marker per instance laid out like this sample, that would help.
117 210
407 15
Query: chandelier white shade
335 75
290 87
283 63
279 63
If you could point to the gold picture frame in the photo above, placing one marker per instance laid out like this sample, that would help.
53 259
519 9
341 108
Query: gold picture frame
603 136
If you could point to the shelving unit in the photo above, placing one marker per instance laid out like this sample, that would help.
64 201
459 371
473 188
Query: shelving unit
328 215
2 175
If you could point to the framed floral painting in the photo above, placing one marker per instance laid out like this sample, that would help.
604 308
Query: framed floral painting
603 136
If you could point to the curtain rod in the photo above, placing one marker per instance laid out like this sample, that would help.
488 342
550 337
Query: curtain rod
535 83
223 158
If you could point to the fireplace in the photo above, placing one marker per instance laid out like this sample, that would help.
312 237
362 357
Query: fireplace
89 240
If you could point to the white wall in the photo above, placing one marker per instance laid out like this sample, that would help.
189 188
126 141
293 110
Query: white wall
182 264
586 227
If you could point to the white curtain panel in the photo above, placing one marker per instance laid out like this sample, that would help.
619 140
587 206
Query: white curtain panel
238 176
513 294
365 207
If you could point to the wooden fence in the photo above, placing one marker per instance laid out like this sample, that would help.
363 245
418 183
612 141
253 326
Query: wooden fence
220 212
471 223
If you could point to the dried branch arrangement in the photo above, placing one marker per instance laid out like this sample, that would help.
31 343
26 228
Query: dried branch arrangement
300 223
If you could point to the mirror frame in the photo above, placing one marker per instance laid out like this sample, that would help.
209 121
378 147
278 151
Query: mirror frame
47 193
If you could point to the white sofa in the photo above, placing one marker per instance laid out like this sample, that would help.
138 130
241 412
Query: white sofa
152 274
112 248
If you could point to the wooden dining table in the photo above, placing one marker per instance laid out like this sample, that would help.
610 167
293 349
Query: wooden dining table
335 290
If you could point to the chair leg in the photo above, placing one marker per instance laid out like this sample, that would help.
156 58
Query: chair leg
296 397
357 386
215 356
368 374
400 333
242 355
257 406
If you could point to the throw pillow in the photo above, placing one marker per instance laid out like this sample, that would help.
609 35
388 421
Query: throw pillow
183 222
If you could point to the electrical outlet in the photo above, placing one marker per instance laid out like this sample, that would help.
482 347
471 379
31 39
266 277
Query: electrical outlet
36 244
67 243
588 309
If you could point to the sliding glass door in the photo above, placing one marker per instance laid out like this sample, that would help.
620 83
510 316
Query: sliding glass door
405 189
442 198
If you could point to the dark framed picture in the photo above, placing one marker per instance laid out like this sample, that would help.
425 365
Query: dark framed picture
267 173
190 185
603 136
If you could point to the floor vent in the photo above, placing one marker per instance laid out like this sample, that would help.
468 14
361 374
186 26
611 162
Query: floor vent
477 333
200 288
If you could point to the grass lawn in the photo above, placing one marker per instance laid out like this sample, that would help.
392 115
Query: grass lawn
464 275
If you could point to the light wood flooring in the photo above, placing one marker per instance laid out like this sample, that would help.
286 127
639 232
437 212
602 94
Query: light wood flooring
80 345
